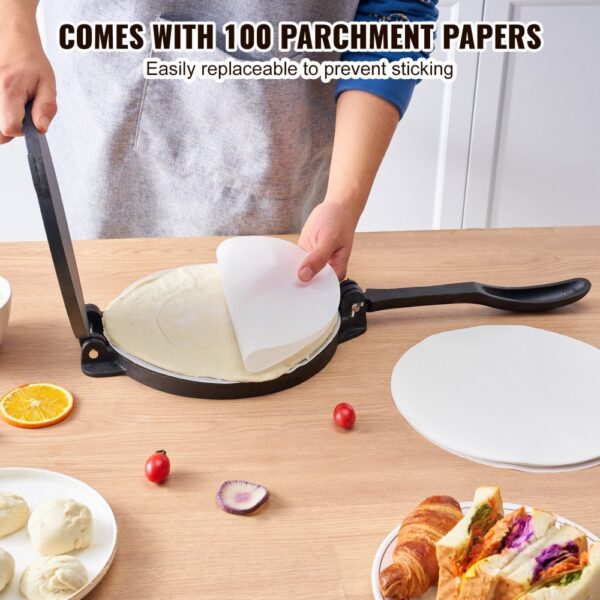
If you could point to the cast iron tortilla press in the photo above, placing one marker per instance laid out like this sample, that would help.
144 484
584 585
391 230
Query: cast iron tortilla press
100 359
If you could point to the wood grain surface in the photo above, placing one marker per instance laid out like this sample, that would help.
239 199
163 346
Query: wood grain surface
335 494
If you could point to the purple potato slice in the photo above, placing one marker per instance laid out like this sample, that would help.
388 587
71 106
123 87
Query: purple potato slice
241 497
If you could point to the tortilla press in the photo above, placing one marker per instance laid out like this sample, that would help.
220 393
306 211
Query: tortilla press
100 359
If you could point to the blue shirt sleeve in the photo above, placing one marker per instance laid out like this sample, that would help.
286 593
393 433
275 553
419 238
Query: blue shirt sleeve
396 91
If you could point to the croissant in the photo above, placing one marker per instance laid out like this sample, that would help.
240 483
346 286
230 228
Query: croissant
415 567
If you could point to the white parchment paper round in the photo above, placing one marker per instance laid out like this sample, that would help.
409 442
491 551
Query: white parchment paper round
274 314
506 394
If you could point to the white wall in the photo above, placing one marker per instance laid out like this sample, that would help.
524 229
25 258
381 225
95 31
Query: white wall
513 141
19 213
535 138
421 183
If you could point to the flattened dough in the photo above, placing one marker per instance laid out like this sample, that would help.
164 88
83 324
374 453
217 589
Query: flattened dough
178 320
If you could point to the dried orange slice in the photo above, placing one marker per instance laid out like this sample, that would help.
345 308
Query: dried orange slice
36 405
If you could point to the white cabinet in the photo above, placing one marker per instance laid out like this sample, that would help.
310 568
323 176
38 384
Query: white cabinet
421 183
514 141
536 125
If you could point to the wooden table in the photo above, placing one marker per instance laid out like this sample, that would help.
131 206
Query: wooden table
335 494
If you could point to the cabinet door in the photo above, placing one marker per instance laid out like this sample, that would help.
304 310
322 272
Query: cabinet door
421 183
536 129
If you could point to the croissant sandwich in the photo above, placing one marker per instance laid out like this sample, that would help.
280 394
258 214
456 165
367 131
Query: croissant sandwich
415 566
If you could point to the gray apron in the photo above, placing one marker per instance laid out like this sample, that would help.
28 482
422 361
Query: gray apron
171 158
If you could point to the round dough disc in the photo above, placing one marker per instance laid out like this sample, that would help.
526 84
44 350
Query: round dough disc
507 393
178 320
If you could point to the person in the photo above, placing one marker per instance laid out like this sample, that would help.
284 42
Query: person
139 157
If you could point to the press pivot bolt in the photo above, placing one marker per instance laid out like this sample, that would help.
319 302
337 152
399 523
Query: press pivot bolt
356 307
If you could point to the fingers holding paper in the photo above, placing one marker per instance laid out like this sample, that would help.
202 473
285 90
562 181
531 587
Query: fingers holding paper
327 236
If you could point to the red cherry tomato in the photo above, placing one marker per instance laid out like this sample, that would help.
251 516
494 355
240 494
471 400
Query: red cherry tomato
344 415
158 467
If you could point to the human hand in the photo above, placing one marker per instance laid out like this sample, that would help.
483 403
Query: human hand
25 73
327 236
364 125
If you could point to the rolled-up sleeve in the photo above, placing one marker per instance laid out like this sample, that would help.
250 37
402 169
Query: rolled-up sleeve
396 91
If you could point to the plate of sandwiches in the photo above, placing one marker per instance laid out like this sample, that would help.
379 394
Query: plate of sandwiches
486 550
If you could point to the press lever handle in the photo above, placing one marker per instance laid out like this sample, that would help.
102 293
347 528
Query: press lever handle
518 299
55 224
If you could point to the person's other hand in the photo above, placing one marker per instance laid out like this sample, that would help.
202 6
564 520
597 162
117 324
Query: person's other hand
25 73
327 236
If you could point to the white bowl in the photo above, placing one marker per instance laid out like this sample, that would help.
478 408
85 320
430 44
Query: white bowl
5 298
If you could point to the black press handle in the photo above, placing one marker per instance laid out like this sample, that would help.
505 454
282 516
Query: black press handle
519 299
55 223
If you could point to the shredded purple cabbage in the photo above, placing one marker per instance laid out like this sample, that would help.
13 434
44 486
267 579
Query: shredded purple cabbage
520 534
552 555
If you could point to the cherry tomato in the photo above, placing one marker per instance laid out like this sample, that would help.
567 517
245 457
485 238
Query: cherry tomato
158 467
344 415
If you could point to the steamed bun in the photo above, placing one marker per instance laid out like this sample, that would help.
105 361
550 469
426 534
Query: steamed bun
7 568
53 578
59 526
14 513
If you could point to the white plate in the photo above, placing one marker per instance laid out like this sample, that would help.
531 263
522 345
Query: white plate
498 393
383 557
38 485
